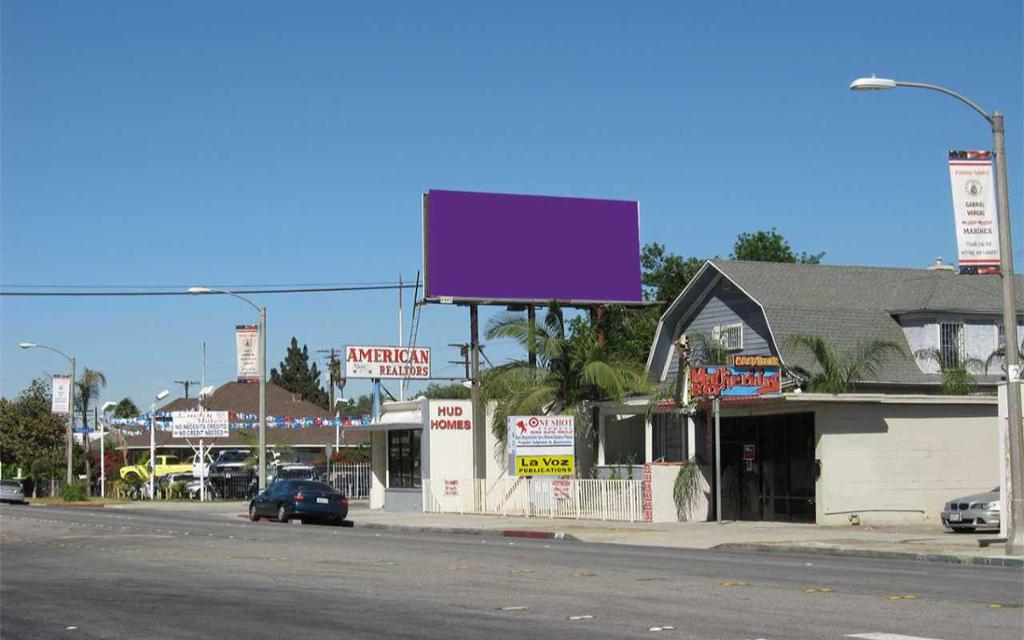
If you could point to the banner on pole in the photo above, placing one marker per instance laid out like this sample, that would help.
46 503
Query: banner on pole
199 424
974 207
247 349
60 403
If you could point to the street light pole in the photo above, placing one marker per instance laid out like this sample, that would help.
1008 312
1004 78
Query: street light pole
263 375
1013 501
69 436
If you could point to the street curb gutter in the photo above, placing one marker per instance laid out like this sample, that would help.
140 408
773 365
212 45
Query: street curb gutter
504 533
990 561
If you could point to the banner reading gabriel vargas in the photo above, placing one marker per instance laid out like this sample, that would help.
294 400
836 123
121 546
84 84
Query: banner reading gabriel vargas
974 206
247 350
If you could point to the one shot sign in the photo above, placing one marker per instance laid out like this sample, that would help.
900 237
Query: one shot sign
387 363
542 445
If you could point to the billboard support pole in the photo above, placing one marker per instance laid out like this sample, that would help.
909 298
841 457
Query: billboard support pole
479 438
531 319
376 399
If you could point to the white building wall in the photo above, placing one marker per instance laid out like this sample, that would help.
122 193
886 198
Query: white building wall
899 463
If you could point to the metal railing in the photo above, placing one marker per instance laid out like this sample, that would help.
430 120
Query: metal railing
589 499
352 479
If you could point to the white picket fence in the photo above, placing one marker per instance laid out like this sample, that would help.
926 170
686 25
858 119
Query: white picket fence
538 497
351 479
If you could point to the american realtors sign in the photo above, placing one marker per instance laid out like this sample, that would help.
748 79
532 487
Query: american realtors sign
387 362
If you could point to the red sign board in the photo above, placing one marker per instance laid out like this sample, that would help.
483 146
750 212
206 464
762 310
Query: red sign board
750 452
734 382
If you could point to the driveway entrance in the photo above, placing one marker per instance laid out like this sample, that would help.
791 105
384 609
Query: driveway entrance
768 469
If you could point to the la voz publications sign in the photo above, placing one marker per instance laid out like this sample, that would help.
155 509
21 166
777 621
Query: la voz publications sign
394 363
543 445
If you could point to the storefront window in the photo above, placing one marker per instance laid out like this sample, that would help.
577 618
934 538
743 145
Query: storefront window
669 439
404 459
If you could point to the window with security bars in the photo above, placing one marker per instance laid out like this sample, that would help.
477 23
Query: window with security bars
730 336
951 343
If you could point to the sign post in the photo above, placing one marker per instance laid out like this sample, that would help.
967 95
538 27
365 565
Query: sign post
202 425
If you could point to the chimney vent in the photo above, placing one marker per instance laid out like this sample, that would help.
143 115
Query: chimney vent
940 265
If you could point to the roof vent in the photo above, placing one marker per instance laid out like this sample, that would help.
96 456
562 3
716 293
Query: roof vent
940 265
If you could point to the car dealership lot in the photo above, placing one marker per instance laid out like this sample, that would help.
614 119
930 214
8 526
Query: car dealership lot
115 573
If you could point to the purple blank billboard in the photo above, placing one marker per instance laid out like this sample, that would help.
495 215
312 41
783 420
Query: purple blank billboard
513 248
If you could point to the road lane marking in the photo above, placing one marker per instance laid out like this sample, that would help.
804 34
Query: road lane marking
886 636
583 617
514 608
663 628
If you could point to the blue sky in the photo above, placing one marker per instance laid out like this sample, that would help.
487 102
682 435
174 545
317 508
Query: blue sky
224 143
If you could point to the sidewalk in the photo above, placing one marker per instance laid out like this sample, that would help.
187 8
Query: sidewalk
923 543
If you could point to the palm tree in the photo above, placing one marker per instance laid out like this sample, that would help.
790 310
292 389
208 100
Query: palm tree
957 377
572 370
87 389
707 351
840 373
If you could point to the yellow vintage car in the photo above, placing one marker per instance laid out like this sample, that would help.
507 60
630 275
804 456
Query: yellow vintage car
164 465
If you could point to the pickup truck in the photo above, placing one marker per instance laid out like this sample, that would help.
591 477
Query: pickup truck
164 465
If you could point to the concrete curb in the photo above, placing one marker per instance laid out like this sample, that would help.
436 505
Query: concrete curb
474 531
989 561
67 505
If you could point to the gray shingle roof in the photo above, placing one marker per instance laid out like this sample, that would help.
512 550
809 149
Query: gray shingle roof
851 305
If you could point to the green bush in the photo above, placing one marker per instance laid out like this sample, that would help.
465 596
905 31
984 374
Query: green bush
178 489
74 492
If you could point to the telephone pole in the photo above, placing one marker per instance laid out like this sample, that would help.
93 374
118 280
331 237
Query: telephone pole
186 384
334 374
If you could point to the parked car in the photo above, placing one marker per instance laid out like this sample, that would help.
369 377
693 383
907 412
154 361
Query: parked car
166 482
978 511
164 466
303 499
193 490
11 492
230 463
202 470
293 471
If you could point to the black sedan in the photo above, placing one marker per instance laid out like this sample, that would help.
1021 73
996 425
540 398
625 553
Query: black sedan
306 500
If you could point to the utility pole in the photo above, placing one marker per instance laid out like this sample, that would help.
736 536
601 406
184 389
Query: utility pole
464 353
186 383
333 373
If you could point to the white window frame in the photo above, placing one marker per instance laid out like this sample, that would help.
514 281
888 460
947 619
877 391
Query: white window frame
720 332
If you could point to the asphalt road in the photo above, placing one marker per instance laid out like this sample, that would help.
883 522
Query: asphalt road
135 574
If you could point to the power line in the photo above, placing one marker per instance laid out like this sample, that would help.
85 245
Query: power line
137 294
183 286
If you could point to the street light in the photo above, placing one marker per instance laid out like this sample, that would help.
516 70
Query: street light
263 375
71 400
1015 485
152 443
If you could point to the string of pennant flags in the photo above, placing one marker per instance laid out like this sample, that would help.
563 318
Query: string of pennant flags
140 424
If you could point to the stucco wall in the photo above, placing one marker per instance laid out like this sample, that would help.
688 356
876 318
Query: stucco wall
899 463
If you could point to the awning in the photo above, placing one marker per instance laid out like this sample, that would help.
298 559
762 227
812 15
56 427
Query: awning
394 420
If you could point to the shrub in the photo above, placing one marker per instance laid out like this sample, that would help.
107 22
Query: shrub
74 492
178 489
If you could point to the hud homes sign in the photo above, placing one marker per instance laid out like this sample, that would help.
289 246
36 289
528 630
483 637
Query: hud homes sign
387 362
542 445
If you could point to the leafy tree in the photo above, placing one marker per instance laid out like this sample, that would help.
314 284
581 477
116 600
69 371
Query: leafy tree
361 406
957 377
298 376
126 409
664 274
840 373
31 436
453 391
572 370
770 246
